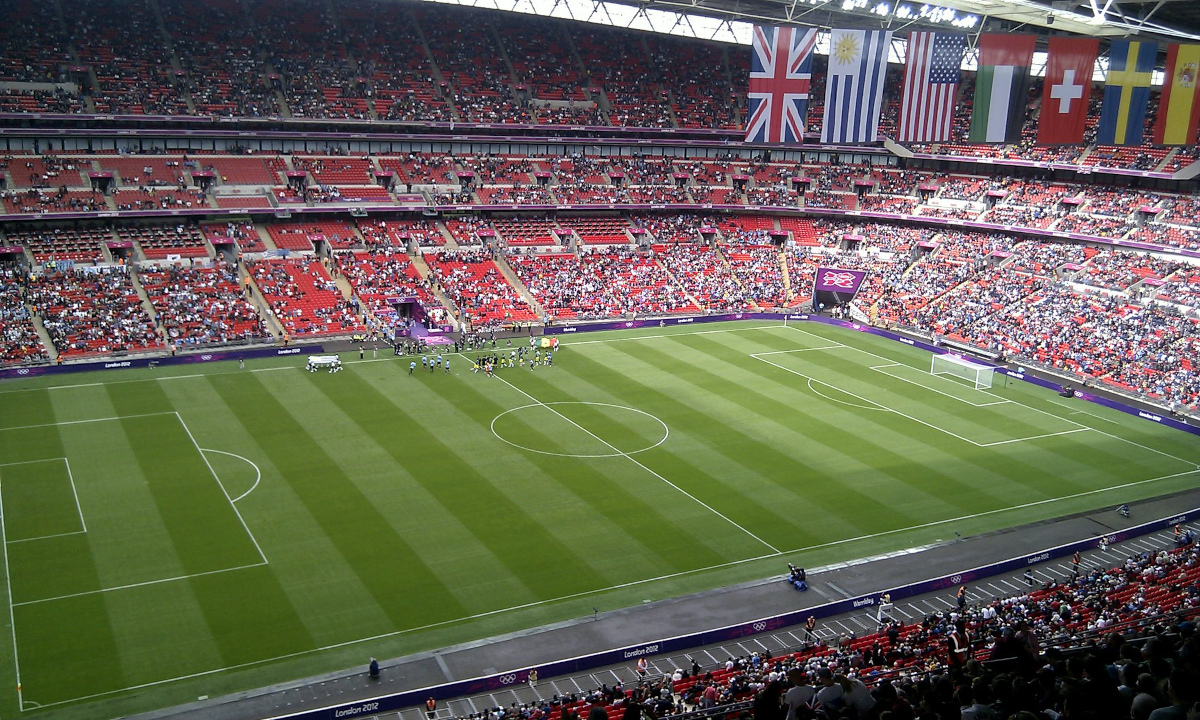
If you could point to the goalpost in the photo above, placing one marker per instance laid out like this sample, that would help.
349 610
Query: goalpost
980 376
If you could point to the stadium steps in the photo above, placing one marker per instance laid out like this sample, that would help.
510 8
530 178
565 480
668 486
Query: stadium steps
44 336
148 306
680 287
738 281
1166 159
256 296
264 235
507 271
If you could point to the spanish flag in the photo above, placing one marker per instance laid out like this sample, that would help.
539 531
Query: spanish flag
1179 108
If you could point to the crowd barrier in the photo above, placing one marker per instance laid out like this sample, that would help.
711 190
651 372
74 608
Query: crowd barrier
683 643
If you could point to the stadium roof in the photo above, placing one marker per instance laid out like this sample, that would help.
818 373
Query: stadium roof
730 20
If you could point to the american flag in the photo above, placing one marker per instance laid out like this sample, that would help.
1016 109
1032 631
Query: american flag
780 76
931 78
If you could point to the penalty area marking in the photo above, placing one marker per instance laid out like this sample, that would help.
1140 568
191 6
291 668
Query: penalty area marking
257 471
617 453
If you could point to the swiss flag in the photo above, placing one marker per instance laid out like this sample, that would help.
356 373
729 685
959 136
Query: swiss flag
1066 91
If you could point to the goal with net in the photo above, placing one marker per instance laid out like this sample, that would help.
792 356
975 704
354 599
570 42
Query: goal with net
980 376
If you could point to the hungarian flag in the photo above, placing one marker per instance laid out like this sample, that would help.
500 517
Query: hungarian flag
1066 90
932 71
1126 92
1179 107
1001 87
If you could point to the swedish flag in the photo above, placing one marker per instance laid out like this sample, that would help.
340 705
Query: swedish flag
1126 92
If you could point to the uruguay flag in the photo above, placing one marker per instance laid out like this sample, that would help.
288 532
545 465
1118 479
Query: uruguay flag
854 88
1126 92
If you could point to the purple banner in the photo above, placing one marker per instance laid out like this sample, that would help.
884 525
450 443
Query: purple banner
838 280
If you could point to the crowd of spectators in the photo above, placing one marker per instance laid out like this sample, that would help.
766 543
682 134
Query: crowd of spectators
19 341
93 311
199 306
303 297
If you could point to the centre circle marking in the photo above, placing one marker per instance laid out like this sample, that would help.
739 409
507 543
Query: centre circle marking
666 430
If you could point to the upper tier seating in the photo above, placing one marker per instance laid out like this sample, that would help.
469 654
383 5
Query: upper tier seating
162 241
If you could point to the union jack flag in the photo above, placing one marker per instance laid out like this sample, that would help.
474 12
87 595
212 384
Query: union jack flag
780 76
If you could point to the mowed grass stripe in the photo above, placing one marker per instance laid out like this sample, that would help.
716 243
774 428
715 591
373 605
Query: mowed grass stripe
461 562
612 488
900 480
1124 426
983 467
397 578
67 639
852 505
732 494
845 369
520 541
246 614
71 636
905 446
326 593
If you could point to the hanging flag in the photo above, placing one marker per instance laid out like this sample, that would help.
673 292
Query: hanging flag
1126 92
854 88
1001 87
1179 107
1066 90
932 71
780 77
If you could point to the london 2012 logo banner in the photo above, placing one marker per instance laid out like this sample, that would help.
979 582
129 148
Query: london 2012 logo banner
838 280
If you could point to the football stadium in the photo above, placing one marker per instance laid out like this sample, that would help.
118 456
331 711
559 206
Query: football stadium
599 360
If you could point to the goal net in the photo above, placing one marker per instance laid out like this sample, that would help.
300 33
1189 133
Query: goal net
980 376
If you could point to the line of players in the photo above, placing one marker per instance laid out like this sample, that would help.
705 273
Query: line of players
489 364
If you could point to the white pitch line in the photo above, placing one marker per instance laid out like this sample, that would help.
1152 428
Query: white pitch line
637 462
1030 407
137 585
71 477
246 460
860 397
223 490
81 422
621 586
877 408
799 350
879 369
1034 437
12 621
47 537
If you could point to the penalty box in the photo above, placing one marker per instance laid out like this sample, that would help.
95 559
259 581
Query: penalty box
862 379
139 518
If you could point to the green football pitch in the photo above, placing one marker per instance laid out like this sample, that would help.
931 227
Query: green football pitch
197 530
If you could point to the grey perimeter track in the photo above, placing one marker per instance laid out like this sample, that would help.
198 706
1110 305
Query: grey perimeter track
691 613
